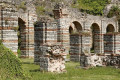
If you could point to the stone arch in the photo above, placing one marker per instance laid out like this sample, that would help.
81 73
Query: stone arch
109 39
78 26
75 40
110 28
95 30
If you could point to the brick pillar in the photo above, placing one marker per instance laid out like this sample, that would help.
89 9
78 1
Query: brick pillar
101 43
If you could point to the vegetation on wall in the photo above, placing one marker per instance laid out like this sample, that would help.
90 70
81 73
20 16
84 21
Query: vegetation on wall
40 10
94 7
114 11
22 6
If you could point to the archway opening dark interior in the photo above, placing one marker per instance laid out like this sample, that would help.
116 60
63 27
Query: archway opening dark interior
110 28
78 27
75 41
95 38
70 30
21 35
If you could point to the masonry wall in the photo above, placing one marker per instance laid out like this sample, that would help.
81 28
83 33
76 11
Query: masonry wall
75 47
97 42
45 33
79 44
26 22
109 43
8 27
117 43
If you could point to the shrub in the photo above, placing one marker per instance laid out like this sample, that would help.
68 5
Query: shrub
94 7
19 52
40 10
114 11
22 6
10 65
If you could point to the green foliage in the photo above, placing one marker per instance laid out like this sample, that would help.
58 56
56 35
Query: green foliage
40 10
10 65
0 42
22 6
19 52
94 7
114 11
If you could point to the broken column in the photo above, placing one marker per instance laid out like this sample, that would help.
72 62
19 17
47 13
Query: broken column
90 61
52 59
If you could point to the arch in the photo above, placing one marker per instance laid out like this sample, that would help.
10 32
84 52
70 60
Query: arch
77 26
110 28
95 30
95 26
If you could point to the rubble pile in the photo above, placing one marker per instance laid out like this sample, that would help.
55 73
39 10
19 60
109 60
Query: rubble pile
53 59
112 60
99 60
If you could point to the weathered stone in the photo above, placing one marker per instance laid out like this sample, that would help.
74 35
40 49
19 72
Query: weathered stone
99 60
52 59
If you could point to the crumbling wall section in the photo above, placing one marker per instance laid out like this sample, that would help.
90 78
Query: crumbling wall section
52 58
94 60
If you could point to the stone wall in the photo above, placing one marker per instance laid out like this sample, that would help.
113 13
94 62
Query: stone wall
75 47
117 43
109 43
26 22
45 33
9 27
79 44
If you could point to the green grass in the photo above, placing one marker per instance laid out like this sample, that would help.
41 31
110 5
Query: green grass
73 72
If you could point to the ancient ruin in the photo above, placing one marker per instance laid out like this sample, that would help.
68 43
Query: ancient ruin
93 60
71 32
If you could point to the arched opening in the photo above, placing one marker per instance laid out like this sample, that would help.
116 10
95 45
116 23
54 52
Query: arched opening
70 30
21 37
78 27
109 40
75 41
95 47
110 28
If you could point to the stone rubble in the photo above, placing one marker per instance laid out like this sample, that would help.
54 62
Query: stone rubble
88 61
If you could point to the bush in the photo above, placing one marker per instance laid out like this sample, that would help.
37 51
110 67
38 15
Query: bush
22 6
94 7
19 52
114 11
40 10
10 65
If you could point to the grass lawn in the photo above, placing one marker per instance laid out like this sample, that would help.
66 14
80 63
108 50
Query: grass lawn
73 73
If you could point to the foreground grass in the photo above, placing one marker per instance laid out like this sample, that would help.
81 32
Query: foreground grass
73 72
